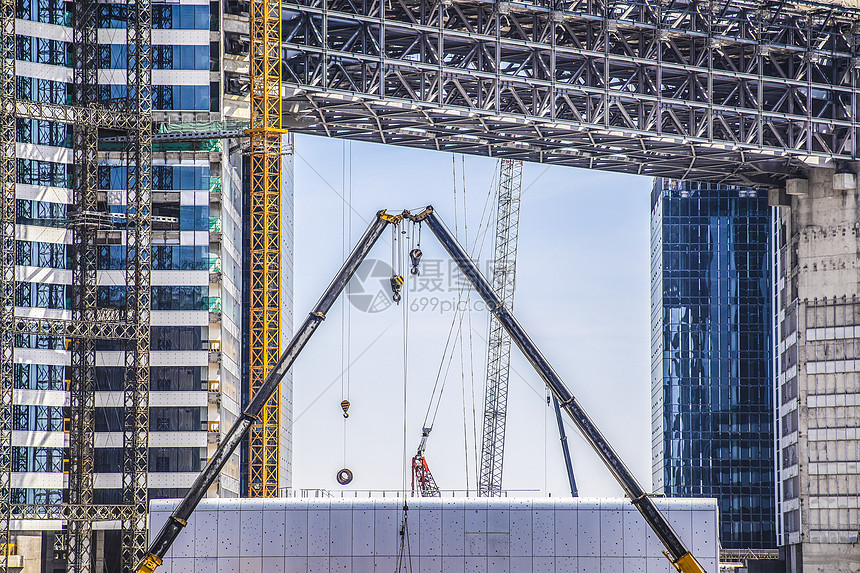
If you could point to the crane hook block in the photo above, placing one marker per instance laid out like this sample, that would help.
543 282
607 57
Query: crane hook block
344 476
415 257
345 407
396 285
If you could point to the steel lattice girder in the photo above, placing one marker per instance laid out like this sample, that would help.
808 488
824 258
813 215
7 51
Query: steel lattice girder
91 512
137 276
97 116
99 330
741 93
84 288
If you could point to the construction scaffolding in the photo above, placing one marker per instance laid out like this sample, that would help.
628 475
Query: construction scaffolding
7 267
87 115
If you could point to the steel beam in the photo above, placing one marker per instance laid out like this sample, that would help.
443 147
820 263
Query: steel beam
71 513
97 330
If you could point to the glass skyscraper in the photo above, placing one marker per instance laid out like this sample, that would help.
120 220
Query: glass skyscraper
712 395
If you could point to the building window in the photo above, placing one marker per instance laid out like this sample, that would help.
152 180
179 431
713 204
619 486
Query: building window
110 378
109 420
40 377
180 57
41 132
112 257
789 489
191 98
40 460
41 295
41 90
44 11
180 257
174 419
47 173
37 418
41 213
41 50
789 423
792 521
789 456
111 296
37 254
176 337
175 297
164 177
176 378
107 460
41 496
174 459
169 17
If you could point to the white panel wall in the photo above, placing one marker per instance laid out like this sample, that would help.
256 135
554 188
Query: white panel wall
499 535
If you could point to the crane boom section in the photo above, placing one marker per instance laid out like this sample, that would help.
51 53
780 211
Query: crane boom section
265 266
499 343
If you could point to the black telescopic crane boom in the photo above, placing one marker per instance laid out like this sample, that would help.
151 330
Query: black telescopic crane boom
676 551
179 518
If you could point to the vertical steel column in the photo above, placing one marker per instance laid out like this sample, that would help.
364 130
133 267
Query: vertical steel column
83 356
265 312
137 271
7 265
499 343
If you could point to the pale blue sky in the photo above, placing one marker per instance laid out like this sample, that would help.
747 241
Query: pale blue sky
582 294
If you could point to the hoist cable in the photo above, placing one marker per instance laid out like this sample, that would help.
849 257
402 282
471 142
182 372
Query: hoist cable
434 398
404 557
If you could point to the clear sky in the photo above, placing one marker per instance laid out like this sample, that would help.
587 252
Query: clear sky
582 294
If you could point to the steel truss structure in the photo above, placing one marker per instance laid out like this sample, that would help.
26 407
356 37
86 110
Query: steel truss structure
499 342
84 288
7 268
86 115
137 279
265 273
733 91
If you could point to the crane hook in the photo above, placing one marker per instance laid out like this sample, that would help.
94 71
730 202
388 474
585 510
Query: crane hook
345 407
415 257
396 285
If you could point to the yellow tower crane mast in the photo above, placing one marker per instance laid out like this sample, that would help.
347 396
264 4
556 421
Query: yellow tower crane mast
266 133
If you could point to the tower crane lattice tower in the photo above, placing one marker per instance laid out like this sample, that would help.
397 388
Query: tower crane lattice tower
499 343
265 308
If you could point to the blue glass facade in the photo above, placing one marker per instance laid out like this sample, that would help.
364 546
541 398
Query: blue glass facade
712 392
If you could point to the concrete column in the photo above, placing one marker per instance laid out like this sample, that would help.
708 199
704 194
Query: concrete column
817 334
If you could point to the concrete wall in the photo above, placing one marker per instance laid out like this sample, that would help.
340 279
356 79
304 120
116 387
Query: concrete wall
817 333
449 535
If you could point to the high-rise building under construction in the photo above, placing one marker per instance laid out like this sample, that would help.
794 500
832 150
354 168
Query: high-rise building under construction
160 212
